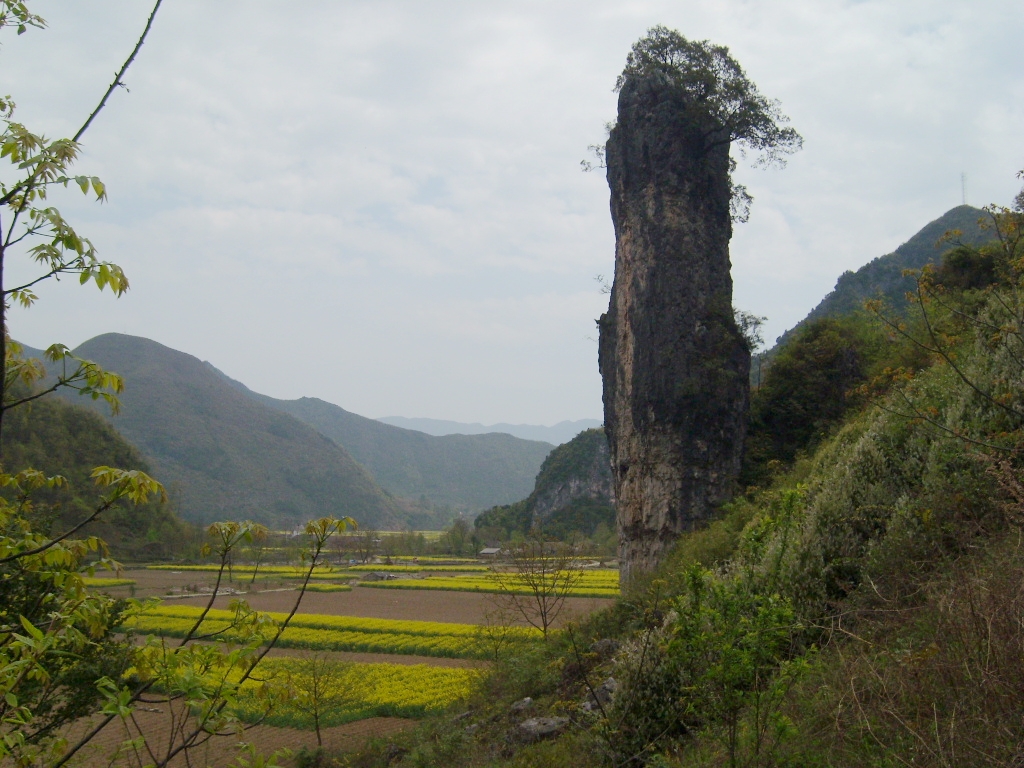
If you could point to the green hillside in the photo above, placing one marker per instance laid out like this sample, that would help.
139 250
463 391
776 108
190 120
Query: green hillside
572 494
223 455
883 277
462 471
59 438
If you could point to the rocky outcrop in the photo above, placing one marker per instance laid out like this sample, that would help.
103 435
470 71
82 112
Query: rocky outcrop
580 469
573 493
673 362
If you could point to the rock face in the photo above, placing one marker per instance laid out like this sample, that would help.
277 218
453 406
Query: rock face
673 362
580 469
573 492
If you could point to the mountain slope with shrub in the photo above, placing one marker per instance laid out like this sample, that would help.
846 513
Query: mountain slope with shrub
224 456
59 438
573 494
466 472
883 277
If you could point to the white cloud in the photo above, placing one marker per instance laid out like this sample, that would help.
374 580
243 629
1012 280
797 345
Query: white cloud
387 195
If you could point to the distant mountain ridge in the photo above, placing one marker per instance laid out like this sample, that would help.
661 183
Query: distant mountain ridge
225 456
559 433
226 452
883 276
470 472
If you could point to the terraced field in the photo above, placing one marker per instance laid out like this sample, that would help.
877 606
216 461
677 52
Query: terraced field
389 662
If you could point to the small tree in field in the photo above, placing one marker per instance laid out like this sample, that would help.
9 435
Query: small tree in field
319 688
257 548
540 577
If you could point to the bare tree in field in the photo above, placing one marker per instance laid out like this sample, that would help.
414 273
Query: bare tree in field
320 688
540 577
257 547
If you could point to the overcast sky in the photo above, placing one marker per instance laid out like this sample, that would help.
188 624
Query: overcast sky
380 203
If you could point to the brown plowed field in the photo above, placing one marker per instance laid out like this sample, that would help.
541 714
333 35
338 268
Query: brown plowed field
279 595
421 605
220 750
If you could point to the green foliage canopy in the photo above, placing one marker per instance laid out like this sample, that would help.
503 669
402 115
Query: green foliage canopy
716 87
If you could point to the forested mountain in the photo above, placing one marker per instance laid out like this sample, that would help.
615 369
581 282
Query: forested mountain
59 438
462 471
559 433
573 494
226 456
883 277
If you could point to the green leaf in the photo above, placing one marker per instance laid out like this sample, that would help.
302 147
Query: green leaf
35 632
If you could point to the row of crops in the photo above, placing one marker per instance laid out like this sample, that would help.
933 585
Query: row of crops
298 572
358 690
102 582
591 584
318 632
352 691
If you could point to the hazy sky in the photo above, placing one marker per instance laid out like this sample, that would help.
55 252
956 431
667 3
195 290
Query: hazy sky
380 203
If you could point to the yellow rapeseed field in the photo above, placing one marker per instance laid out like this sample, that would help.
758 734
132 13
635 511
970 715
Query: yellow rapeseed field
356 691
591 584
334 633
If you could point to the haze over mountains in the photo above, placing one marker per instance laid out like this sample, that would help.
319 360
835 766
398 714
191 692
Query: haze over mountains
457 470
559 433
226 452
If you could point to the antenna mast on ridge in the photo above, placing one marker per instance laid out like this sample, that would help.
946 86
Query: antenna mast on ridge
963 186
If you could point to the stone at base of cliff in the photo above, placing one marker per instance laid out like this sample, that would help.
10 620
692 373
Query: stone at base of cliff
537 728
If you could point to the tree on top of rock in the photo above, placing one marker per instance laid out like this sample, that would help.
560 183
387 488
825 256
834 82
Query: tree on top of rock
717 87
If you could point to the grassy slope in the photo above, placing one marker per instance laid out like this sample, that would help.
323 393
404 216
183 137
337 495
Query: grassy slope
224 456
463 471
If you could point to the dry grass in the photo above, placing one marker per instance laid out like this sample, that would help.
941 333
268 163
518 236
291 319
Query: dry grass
936 685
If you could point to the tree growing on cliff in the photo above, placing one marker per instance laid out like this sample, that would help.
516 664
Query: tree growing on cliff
721 98
716 87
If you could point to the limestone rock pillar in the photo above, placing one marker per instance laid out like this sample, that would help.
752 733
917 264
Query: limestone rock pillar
674 365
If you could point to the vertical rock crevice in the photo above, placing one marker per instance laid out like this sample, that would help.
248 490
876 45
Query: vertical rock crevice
674 364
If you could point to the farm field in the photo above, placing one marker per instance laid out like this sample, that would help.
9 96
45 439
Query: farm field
319 632
220 751
359 691
592 584
434 605
407 648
